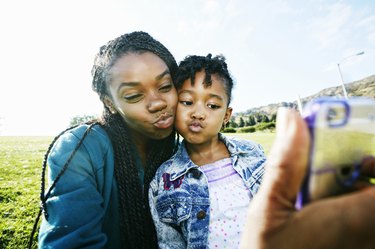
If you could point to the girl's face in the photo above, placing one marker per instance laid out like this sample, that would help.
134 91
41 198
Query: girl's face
142 92
202 111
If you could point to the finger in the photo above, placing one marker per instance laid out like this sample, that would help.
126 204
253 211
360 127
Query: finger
349 221
367 176
287 160
368 166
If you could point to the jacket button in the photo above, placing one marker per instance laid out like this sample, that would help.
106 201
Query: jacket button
196 173
201 215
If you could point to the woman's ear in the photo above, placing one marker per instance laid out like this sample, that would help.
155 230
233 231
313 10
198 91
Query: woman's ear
109 104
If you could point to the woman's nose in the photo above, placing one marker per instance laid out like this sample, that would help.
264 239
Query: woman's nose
156 103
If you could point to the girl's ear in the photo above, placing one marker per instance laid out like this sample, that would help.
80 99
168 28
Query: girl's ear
109 104
228 114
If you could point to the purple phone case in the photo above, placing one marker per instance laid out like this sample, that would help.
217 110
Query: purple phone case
310 115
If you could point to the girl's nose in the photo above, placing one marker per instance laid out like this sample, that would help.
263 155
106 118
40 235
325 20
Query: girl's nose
198 114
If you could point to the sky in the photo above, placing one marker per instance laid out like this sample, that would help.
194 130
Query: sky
276 50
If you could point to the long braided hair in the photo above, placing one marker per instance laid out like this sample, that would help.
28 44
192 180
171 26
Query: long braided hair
136 223
137 228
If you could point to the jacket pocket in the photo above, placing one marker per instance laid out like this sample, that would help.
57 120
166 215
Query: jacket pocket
174 207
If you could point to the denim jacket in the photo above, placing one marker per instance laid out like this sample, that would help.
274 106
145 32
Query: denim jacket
179 197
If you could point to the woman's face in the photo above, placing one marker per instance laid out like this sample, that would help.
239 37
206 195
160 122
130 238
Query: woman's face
143 93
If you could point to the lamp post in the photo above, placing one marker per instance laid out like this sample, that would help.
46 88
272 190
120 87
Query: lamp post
342 79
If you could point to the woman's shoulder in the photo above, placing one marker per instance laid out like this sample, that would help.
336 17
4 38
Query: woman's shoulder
92 137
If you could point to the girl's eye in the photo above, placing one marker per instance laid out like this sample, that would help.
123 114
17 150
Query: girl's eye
166 88
187 103
213 106
133 98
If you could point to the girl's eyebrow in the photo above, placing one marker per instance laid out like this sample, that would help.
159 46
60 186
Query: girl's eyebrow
216 96
211 94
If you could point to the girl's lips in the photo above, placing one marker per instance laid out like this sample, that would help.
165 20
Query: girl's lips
164 122
195 127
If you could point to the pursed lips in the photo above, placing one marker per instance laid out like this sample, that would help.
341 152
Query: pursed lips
165 120
195 126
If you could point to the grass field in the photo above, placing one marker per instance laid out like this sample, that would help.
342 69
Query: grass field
20 169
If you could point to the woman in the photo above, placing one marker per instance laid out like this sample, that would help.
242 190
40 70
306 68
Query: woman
99 173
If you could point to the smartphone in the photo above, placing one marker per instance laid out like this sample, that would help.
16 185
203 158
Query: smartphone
342 135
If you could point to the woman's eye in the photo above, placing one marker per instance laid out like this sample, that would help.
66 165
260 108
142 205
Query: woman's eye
187 103
166 88
213 106
133 98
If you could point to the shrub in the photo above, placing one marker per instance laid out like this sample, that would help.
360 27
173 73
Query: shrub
229 130
265 126
248 129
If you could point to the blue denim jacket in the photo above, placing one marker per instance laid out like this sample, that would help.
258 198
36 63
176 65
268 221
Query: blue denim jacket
179 198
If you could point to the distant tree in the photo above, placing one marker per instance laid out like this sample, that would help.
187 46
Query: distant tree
251 120
265 119
259 117
242 122
81 119
232 123
273 117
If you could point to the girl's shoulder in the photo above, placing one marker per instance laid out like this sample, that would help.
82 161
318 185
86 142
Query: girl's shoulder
240 143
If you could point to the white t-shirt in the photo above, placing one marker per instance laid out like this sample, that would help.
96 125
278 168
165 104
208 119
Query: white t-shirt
229 201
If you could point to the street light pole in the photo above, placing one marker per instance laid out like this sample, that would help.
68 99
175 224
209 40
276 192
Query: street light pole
342 79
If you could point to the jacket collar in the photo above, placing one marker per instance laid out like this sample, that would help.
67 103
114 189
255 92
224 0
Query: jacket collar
181 162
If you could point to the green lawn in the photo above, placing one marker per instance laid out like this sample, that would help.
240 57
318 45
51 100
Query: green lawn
263 138
20 170
21 162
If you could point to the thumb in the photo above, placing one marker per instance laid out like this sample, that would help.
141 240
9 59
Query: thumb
287 160
273 205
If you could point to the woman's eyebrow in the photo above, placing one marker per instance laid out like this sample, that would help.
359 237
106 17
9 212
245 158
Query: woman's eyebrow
127 84
160 76
135 83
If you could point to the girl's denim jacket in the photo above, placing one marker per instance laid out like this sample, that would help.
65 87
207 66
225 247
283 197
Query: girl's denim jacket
179 198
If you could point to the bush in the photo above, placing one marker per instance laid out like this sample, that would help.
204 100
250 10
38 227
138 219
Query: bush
265 126
76 120
248 129
229 130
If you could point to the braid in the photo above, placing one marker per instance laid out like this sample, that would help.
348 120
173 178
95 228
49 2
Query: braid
44 196
216 65
127 179
137 225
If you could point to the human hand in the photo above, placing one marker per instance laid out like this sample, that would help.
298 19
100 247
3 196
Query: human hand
345 221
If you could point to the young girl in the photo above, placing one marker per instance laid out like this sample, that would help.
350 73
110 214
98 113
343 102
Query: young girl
99 173
199 197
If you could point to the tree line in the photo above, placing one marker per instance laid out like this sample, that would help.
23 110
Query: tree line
251 123
238 123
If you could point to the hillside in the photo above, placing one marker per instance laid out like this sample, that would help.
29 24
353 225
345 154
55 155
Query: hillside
363 87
